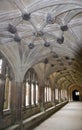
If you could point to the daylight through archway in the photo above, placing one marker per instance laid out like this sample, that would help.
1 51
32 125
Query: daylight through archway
75 95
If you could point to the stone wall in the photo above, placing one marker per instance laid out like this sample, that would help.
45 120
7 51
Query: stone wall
36 119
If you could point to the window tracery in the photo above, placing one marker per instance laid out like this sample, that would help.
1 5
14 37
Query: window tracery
31 81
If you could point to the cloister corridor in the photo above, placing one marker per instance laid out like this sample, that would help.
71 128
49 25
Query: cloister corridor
40 64
67 118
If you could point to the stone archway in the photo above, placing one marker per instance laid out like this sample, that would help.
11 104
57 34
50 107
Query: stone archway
75 95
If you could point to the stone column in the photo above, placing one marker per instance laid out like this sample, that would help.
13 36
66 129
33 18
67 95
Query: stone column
18 101
13 100
24 95
68 95
59 95
41 97
53 96
80 96
71 98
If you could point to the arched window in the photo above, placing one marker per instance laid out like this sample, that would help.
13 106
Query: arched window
47 91
75 95
7 92
5 83
31 83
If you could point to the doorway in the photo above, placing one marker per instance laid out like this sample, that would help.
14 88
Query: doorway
75 95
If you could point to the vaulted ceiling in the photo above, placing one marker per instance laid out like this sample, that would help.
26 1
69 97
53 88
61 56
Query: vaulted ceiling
44 34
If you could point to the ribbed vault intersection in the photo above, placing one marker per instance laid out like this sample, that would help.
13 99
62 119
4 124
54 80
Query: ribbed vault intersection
42 34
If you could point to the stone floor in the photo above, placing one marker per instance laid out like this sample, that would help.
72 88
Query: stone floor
68 118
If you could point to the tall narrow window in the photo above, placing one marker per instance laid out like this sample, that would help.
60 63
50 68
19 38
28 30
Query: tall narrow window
31 88
0 66
36 94
7 93
47 92
32 94
5 71
56 93
27 94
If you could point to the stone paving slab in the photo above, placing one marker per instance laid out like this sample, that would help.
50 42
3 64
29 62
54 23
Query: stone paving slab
68 118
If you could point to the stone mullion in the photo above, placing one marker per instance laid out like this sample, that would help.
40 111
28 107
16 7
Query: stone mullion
54 95
2 90
34 94
71 99
46 93
30 94
24 95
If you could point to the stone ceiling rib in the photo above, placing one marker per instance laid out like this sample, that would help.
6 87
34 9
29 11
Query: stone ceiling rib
32 30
